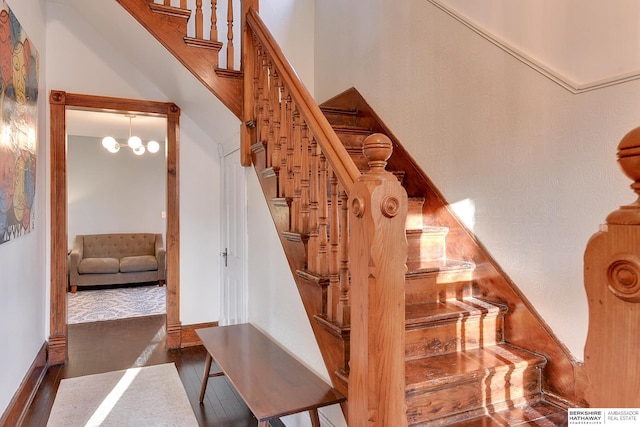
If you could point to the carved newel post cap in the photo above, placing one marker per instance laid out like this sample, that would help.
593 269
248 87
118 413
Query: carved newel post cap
377 148
629 160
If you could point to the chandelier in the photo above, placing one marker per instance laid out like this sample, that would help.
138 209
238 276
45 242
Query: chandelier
134 142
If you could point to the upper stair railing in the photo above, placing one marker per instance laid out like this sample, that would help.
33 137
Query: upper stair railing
206 28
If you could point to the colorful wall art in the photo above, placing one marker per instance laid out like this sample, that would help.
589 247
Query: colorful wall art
18 123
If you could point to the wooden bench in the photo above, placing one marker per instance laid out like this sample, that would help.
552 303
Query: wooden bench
270 381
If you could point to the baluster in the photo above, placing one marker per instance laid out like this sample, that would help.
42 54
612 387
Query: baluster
285 148
213 33
167 2
304 179
199 19
344 306
183 4
256 80
281 142
274 121
313 208
296 162
333 294
230 54
262 85
323 212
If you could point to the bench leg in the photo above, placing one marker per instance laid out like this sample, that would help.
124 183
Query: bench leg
205 377
315 420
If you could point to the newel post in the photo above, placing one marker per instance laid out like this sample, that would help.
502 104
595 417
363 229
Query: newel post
612 283
377 257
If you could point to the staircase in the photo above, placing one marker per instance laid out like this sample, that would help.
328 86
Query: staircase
466 327
459 368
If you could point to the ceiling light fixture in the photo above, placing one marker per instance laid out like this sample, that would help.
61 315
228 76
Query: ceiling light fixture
134 142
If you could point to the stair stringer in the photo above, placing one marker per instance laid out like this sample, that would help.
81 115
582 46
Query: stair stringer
524 327
170 29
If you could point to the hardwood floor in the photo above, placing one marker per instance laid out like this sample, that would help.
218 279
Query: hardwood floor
120 344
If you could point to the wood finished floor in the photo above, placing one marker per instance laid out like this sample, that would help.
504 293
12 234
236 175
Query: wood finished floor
120 344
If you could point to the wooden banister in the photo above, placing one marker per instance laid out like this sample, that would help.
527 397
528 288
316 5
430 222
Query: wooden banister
350 227
335 152
612 283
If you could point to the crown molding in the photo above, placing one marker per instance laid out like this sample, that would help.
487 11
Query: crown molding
544 69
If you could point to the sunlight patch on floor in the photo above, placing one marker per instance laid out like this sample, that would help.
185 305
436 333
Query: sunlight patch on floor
112 398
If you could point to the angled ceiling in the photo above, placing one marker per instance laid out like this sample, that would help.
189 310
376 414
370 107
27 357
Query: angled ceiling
161 69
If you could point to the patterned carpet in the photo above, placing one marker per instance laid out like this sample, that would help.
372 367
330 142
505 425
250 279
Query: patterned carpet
109 304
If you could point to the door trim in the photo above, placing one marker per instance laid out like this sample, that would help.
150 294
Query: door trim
58 102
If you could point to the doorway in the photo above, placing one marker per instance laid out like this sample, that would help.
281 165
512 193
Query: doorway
234 298
59 101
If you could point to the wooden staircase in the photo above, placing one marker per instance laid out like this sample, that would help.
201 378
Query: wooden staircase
468 331
459 368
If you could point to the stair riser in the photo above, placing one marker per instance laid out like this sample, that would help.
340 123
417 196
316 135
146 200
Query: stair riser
426 247
458 398
465 334
437 287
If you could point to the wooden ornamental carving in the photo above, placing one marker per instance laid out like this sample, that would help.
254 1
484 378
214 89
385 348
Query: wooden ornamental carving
612 282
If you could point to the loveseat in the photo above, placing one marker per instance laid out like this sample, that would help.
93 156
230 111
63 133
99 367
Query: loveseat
106 259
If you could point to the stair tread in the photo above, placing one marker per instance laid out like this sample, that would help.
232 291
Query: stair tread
540 413
421 313
447 368
438 265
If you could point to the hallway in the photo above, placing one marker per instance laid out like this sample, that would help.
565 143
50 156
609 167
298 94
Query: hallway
120 344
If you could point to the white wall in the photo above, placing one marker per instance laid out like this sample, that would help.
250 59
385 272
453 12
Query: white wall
583 43
99 68
536 163
114 193
23 313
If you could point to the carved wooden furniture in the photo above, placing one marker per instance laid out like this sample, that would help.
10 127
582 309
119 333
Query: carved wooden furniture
270 381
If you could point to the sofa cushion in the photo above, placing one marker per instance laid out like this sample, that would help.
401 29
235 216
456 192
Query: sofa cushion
118 245
131 264
99 265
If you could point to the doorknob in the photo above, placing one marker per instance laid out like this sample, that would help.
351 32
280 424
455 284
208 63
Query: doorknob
225 254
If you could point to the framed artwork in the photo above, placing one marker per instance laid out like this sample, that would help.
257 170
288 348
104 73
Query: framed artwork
18 124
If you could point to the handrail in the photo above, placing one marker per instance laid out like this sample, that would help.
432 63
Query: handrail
336 154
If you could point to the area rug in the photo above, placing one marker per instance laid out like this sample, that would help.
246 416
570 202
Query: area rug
147 396
109 304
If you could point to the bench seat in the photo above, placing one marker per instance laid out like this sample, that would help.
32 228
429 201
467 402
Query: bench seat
270 381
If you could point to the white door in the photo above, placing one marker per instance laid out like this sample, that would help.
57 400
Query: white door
233 257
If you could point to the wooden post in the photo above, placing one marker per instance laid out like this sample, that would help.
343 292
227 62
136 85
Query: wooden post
612 282
174 326
377 257
58 326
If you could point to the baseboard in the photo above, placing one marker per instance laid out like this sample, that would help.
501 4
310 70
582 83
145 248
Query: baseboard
17 409
189 336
